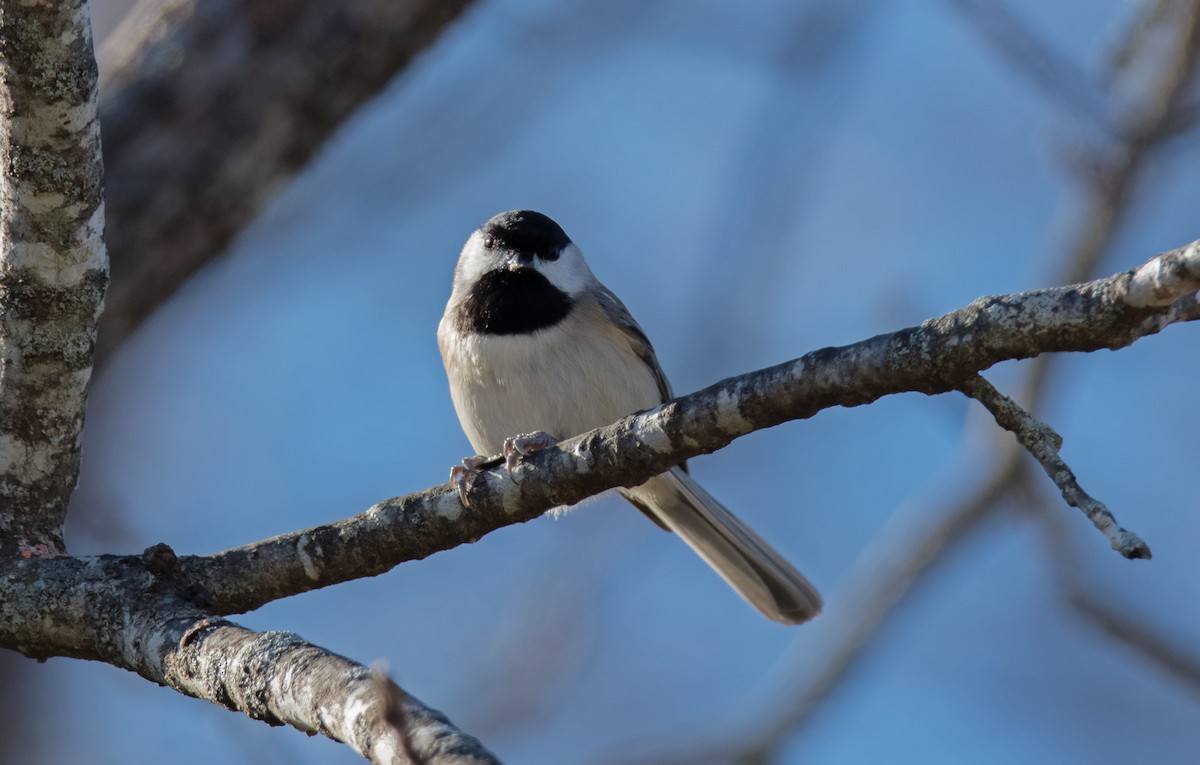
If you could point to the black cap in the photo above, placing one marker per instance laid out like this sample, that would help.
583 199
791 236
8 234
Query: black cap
527 232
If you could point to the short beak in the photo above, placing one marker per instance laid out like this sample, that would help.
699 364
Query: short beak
514 262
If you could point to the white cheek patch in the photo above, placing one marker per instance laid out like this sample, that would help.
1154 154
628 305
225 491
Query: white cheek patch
475 261
570 273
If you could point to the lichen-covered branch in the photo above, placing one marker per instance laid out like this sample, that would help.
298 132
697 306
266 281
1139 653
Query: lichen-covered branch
156 614
209 106
938 356
281 679
53 267
1041 441
140 614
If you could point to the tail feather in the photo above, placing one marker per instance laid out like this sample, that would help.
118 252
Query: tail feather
752 567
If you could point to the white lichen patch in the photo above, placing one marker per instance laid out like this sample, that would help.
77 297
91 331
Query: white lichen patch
448 506
1036 308
361 699
385 749
652 433
311 569
1163 280
729 415
158 644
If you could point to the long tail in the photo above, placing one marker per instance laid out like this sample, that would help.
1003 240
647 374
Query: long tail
741 557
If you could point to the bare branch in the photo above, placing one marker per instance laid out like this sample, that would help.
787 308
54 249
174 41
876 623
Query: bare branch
53 266
1024 50
936 357
1119 622
281 679
209 106
1041 441
1172 63
140 614
148 613
897 559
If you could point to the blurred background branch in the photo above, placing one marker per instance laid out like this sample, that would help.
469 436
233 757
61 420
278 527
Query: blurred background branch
1098 606
210 106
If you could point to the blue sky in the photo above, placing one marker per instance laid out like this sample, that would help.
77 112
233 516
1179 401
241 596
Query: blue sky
751 198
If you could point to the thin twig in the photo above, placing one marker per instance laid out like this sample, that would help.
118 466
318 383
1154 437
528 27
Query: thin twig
1041 441
393 698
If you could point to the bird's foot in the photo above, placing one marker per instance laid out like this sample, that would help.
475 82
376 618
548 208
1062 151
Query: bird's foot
523 445
463 475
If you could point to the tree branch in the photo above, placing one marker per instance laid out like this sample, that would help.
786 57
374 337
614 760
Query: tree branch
940 355
151 614
155 614
1021 47
1041 441
53 266
140 614
279 678
135 613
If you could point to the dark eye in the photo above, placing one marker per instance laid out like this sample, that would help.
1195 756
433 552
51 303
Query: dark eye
489 241
550 252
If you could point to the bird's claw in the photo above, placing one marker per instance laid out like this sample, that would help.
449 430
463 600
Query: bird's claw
462 476
522 446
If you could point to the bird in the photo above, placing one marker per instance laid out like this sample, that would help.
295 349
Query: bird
537 350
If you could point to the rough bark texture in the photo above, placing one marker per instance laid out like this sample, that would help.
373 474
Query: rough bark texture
210 105
139 613
157 615
279 678
940 355
135 613
53 267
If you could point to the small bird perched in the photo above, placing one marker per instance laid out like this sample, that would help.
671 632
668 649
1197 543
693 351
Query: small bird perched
537 349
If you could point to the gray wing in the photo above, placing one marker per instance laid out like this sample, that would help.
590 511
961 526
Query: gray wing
619 315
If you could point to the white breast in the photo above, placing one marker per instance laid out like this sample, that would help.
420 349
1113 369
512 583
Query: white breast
577 375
